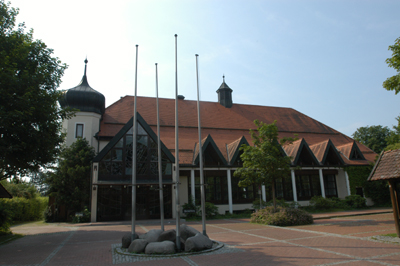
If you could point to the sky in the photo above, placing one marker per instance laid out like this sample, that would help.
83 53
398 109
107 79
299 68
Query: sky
325 59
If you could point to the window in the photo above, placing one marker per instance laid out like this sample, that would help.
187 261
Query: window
330 185
308 186
79 131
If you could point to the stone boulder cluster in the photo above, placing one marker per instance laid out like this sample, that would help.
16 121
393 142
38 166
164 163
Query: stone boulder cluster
164 242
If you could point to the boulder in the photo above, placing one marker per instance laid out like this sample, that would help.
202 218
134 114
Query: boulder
137 246
126 239
197 243
169 235
187 231
165 247
152 235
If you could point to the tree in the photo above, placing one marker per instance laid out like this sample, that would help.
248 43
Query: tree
264 162
30 118
393 83
70 183
393 140
374 137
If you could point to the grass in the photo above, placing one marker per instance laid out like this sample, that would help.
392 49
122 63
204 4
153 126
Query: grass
391 235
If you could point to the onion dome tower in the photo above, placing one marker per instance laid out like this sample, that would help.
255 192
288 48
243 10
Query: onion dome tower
84 97
225 94
91 105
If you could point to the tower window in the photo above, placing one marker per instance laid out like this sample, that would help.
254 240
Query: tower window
79 131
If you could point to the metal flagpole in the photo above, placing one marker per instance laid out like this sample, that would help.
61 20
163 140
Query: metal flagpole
178 237
203 201
160 185
134 154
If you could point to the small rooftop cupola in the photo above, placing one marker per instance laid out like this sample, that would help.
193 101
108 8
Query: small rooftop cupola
84 97
225 94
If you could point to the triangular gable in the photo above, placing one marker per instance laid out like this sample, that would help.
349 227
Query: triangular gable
326 153
351 151
124 130
300 153
210 150
233 149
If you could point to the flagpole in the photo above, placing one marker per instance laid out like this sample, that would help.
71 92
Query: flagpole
203 204
134 153
178 237
160 185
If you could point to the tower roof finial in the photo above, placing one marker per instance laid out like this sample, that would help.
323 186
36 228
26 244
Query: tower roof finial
86 61
223 77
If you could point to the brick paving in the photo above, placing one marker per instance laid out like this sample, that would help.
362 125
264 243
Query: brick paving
343 240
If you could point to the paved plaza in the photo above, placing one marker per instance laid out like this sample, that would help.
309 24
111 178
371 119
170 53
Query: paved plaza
343 240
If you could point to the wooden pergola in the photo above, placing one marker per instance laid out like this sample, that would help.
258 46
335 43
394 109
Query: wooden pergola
387 168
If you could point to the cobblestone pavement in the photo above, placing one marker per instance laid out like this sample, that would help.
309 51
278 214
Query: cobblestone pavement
336 241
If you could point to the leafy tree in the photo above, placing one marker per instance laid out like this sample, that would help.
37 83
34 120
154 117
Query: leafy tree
393 140
70 183
264 162
30 118
20 189
393 83
374 137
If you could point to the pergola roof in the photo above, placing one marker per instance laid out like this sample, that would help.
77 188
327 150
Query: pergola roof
387 167
4 193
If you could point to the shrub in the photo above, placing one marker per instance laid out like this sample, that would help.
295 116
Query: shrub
355 201
256 204
84 218
190 206
5 220
24 210
281 216
211 210
320 203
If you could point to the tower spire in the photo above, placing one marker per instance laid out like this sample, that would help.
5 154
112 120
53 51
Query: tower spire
86 61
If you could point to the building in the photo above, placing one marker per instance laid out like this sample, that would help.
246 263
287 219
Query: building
319 156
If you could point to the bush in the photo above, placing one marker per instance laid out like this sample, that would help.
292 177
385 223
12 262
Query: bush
320 203
190 206
355 201
24 210
5 220
256 204
84 218
281 216
211 210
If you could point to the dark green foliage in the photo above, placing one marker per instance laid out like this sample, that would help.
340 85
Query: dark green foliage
264 162
355 201
70 184
30 118
256 204
374 137
21 189
320 203
5 219
281 216
393 83
191 206
393 140
376 190
24 210
211 210
85 218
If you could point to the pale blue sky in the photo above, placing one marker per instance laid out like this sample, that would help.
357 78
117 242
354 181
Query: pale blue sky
325 59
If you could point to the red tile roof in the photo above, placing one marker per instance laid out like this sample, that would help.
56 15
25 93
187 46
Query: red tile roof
224 125
387 166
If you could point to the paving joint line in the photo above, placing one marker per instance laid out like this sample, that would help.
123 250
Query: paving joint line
52 254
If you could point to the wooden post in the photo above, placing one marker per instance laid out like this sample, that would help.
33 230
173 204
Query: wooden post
394 205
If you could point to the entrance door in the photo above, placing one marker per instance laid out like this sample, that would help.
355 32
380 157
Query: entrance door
114 203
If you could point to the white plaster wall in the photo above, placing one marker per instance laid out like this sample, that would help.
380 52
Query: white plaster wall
341 184
91 122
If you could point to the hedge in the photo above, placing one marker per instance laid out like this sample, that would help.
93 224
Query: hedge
24 210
